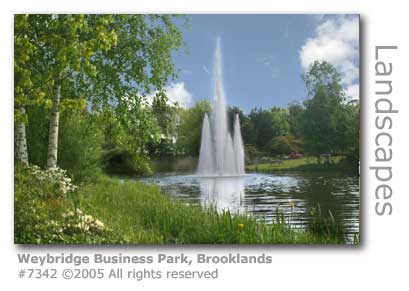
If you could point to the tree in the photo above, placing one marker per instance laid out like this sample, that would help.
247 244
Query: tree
325 76
166 114
190 128
108 60
285 144
60 47
295 113
324 123
231 113
352 131
23 86
280 123
261 125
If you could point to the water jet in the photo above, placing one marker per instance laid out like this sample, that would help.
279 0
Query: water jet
221 151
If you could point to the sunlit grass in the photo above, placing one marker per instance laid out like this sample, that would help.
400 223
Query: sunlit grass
144 215
133 212
300 164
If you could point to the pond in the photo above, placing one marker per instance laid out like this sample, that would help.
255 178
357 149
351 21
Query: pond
263 195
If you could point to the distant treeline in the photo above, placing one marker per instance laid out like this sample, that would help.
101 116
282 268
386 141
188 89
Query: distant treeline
327 122
89 141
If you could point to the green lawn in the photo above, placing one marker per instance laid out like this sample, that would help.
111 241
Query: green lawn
301 164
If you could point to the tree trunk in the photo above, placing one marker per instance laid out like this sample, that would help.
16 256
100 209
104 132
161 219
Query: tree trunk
21 140
53 131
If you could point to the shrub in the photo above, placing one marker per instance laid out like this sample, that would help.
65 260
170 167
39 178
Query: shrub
285 144
251 153
80 145
45 210
117 161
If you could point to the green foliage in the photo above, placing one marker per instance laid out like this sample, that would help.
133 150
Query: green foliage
305 164
175 165
44 214
329 123
190 128
352 117
250 153
37 134
321 118
231 113
262 125
126 139
295 119
142 58
109 60
323 76
131 212
80 141
167 116
56 50
325 224
145 215
117 161
285 144
80 145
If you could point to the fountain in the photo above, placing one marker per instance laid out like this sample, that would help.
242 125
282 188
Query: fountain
221 152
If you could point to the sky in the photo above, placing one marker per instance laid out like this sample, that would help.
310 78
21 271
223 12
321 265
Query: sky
264 56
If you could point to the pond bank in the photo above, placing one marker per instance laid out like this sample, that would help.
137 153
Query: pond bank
145 215
294 196
137 213
305 164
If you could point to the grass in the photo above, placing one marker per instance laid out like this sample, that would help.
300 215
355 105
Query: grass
138 213
145 215
305 164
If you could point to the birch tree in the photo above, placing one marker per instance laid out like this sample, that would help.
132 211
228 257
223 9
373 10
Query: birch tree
97 58
23 87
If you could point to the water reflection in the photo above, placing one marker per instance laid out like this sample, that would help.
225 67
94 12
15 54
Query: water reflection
224 193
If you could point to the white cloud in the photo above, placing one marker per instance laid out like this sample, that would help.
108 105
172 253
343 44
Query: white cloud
336 41
176 92
352 91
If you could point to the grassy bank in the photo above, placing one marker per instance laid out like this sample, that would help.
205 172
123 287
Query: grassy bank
305 164
114 211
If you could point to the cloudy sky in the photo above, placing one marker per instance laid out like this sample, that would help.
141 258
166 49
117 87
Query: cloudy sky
264 56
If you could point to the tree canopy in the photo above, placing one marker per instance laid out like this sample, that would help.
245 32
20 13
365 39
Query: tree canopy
327 116
105 61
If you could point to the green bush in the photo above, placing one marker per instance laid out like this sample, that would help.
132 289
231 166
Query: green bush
117 161
80 141
79 145
45 213
285 144
37 134
251 153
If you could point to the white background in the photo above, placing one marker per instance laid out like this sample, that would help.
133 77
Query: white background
380 263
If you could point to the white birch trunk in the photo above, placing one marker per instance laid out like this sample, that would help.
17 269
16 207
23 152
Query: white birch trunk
53 131
21 140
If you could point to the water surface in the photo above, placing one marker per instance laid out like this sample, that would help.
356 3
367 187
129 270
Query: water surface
263 195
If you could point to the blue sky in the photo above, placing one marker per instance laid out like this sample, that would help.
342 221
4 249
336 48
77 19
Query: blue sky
264 56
